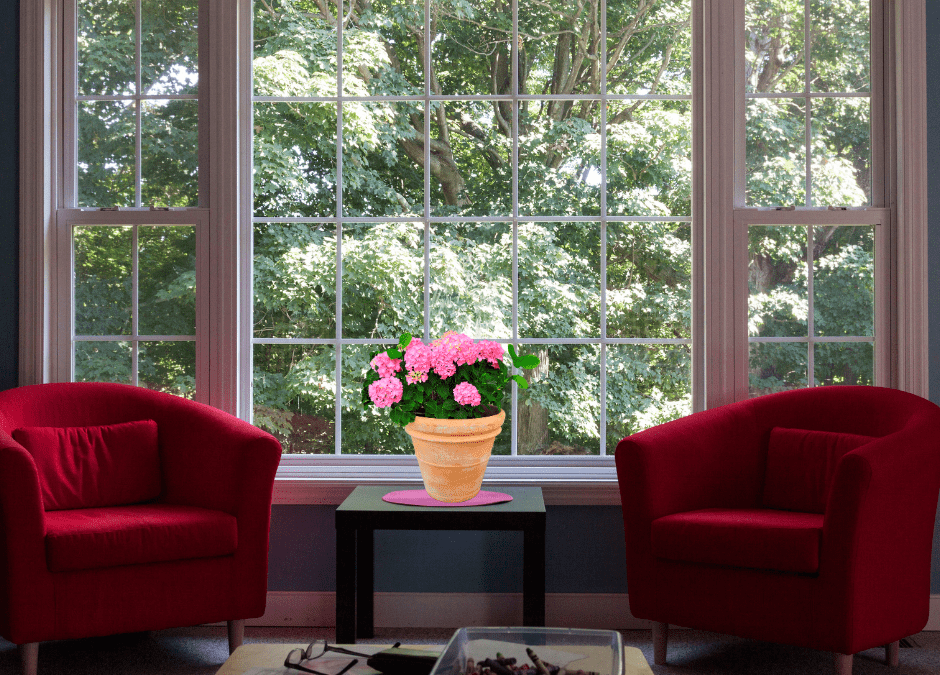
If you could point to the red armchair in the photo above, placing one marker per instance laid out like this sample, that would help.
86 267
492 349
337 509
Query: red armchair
804 517
124 509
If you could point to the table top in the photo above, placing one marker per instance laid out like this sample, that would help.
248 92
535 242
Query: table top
268 659
368 499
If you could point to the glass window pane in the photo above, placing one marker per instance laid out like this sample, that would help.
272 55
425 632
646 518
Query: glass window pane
844 280
778 303
103 280
559 162
776 366
841 152
649 280
649 158
559 414
646 385
169 153
106 47
472 49
168 366
294 394
383 280
545 31
471 279
841 38
294 280
844 363
774 53
383 159
103 362
169 48
776 152
166 262
367 431
472 177
559 280
295 52
294 159
106 168
381 50
648 46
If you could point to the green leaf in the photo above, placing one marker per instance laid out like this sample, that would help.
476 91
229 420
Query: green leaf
403 342
521 381
394 353
527 361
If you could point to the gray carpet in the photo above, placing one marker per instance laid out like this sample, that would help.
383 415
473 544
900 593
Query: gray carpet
201 650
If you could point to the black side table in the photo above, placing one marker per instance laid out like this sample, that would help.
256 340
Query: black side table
363 512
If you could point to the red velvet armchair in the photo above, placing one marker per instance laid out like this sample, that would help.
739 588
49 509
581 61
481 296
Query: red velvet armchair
804 517
124 509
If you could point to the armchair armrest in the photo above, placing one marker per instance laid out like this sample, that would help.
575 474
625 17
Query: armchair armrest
708 459
211 459
25 588
881 510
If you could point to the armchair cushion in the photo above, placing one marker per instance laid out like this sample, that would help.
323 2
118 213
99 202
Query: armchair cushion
801 465
80 539
755 538
95 466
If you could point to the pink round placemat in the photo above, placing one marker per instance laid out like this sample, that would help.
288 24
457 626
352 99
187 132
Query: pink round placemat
422 498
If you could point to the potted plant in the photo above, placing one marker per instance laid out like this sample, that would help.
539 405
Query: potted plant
447 396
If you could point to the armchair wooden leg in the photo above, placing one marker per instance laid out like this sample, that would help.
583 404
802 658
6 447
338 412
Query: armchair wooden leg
892 653
29 657
660 637
843 663
236 633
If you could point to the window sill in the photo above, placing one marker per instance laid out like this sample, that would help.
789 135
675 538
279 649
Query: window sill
564 481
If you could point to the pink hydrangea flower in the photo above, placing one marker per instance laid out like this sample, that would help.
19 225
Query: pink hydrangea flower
444 365
492 352
466 394
384 365
386 391
418 356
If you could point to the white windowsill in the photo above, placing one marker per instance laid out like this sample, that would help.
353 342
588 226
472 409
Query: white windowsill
329 480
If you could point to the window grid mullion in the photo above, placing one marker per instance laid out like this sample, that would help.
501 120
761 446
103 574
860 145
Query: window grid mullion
513 68
426 177
807 105
602 366
138 141
338 349
810 309
135 305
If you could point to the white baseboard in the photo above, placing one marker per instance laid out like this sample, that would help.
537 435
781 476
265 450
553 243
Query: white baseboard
447 610
933 623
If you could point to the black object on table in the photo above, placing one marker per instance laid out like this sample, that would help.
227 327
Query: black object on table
363 512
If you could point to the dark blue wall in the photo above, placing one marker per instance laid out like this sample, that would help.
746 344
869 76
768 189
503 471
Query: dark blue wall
585 544
9 192
933 219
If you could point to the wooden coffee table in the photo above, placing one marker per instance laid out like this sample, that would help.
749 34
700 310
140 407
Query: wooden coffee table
271 657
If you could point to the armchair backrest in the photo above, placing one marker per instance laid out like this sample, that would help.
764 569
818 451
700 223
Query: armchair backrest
195 441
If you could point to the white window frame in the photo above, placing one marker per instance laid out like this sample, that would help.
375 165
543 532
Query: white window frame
719 228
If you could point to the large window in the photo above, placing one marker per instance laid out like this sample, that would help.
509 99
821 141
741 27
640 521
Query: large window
526 178
809 96
674 203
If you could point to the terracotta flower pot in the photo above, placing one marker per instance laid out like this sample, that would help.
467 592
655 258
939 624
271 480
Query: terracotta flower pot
452 454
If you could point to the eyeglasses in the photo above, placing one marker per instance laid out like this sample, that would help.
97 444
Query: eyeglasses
315 650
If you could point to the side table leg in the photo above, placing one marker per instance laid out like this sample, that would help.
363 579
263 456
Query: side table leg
365 583
533 576
345 585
